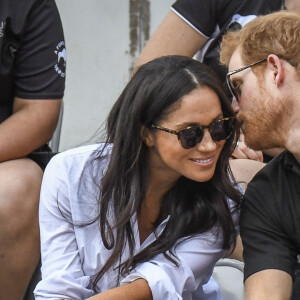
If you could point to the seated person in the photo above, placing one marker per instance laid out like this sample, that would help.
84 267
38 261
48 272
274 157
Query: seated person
147 213
263 60
32 80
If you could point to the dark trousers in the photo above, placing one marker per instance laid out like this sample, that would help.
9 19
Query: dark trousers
42 156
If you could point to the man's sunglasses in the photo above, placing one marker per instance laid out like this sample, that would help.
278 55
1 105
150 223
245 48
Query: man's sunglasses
192 135
235 88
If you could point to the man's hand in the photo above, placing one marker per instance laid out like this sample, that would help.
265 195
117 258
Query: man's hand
242 151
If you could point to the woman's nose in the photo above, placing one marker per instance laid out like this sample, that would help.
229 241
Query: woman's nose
207 143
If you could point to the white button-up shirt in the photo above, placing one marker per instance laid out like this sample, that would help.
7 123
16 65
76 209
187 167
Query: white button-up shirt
72 254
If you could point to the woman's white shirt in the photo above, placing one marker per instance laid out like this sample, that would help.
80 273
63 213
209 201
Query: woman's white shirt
73 251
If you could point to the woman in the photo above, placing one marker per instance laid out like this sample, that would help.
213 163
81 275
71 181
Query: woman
150 207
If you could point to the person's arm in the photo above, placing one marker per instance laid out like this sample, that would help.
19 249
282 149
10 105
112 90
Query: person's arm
237 253
30 126
136 290
63 275
173 37
268 285
38 83
196 257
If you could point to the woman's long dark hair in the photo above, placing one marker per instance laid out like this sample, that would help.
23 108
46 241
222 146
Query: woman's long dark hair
194 207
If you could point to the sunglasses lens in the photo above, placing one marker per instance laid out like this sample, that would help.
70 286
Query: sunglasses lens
221 130
190 137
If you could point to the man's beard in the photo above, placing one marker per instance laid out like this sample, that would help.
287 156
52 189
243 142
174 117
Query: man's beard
264 122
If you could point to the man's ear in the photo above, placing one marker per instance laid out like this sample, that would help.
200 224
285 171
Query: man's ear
277 69
147 136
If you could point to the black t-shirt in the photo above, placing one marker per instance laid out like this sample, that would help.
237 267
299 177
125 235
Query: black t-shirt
212 18
32 52
270 217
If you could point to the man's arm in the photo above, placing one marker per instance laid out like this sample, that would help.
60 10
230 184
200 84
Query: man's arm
30 126
173 37
268 285
136 290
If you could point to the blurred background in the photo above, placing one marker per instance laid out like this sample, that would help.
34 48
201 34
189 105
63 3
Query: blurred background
103 40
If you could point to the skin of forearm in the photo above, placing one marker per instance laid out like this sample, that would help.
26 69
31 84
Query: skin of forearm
29 127
237 253
268 284
173 37
136 290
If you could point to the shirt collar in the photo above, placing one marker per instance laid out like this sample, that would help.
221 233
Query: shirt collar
290 162
152 237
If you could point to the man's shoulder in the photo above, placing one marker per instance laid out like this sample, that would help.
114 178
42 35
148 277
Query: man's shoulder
281 163
276 179
272 167
16 11
16 15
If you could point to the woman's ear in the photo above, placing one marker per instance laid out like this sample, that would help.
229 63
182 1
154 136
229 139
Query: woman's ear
147 136
276 66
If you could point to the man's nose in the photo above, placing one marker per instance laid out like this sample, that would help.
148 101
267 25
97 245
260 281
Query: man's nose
235 105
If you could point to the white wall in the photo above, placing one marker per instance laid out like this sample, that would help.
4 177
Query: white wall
100 54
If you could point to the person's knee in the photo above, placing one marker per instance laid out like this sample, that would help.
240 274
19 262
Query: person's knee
20 182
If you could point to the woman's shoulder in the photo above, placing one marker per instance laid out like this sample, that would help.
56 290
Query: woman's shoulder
78 160
82 153
75 175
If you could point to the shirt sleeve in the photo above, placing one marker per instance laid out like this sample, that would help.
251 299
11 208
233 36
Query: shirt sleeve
196 256
40 62
62 274
202 15
266 243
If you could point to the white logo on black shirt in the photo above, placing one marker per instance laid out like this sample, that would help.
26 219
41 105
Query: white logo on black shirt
2 28
60 66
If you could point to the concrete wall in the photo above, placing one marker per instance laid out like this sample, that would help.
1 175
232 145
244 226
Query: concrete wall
103 38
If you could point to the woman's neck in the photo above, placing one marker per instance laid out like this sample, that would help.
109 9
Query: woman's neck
151 205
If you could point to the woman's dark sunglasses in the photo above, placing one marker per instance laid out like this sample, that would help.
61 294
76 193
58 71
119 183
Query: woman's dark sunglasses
192 135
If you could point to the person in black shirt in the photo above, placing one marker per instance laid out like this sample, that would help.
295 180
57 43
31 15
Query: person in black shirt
263 60
32 80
